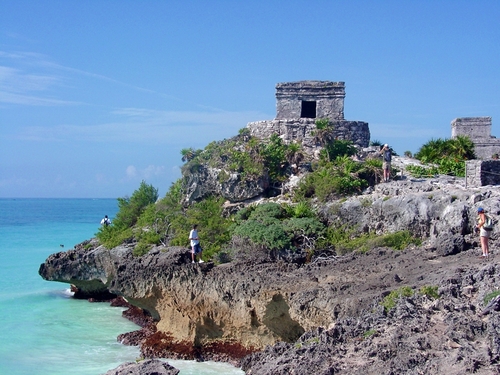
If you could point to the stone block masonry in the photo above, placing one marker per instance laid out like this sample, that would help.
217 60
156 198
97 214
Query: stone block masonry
482 173
300 104
310 99
478 129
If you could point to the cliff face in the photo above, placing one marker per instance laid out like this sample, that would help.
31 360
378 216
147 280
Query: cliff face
248 303
259 301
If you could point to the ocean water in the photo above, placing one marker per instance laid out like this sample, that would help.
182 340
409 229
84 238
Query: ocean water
44 330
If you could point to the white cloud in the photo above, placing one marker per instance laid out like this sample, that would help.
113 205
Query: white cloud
134 173
153 170
28 83
13 98
149 126
131 171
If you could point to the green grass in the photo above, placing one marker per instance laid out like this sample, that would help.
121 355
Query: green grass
369 333
490 296
430 291
389 302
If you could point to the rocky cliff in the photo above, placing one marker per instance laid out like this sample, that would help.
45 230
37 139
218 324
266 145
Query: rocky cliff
322 315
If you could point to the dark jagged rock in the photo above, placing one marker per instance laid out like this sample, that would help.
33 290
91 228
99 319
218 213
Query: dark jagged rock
147 367
493 305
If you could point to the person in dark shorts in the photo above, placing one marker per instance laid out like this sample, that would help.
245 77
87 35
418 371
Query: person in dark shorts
195 244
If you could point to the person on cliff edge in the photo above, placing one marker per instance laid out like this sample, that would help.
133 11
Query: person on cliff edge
484 233
105 221
387 158
195 244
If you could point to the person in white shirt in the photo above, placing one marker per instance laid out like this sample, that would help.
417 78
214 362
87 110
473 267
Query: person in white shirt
105 221
195 244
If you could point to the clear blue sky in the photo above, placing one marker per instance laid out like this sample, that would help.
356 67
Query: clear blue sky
96 96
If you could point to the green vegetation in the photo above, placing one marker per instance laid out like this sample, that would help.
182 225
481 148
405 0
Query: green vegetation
487 298
443 157
274 227
430 291
165 222
130 209
245 155
389 302
343 239
334 179
145 221
369 333
314 340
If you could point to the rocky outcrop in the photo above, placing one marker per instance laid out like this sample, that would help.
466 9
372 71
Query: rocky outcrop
147 367
420 335
329 307
205 181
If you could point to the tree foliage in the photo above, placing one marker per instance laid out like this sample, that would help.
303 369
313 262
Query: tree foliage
129 211
444 156
277 227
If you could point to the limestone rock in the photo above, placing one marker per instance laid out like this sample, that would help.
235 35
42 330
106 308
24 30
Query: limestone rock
205 181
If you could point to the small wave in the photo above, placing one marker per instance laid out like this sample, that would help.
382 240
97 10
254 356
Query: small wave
61 293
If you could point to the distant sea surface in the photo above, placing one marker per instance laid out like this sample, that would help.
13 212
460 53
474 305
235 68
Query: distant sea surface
45 331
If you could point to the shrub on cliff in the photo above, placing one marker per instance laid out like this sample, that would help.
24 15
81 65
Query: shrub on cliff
332 179
159 222
212 224
277 227
444 156
129 211
168 223
345 240
333 150
389 302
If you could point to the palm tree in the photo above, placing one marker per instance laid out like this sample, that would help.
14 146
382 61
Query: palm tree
323 134
294 154
187 154
462 147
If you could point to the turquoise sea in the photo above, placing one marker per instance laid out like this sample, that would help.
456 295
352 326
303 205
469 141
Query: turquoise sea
44 330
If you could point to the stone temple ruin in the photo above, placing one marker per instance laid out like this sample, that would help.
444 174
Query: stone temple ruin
300 104
482 171
478 129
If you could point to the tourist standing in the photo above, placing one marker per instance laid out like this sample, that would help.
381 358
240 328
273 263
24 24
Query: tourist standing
105 221
387 158
484 229
195 244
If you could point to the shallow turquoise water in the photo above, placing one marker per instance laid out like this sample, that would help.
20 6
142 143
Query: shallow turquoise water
45 331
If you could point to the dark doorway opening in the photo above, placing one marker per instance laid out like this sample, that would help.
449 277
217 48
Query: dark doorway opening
308 109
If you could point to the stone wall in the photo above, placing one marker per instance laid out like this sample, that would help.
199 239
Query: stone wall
478 129
295 123
325 100
300 130
482 173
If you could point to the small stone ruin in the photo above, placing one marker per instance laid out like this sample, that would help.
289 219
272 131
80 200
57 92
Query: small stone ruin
300 104
484 170
478 129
